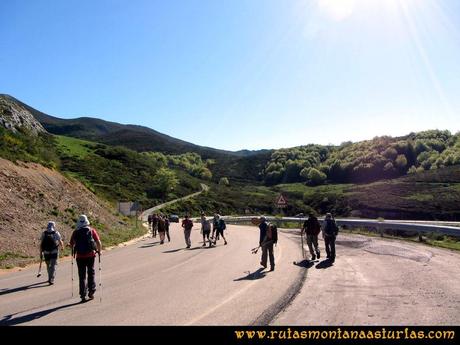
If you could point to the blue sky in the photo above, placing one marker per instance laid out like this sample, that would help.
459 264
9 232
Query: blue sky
240 74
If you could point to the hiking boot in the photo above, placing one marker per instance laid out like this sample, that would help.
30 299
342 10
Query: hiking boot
91 295
188 246
261 264
313 257
225 242
83 299
204 244
318 254
161 242
272 268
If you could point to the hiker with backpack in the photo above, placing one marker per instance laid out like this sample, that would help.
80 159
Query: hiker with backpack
49 249
154 225
221 226
312 228
85 244
187 224
215 225
330 231
268 237
161 228
167 228
149 220
205 229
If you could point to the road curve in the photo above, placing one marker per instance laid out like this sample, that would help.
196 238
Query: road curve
374 281
378 281
146 283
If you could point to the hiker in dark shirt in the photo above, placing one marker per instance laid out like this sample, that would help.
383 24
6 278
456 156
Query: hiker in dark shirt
312 228
330 231
268 237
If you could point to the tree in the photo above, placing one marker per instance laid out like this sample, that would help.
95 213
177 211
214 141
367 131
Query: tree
316 177
401 162
224 181
164 182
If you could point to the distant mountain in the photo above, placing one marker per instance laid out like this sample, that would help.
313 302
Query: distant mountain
231 164
135 137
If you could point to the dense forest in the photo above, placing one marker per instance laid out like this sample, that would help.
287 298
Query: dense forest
366 161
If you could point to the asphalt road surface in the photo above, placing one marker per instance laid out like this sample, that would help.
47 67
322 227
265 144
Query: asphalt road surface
373 281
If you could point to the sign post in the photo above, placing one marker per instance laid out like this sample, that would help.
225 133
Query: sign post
281 202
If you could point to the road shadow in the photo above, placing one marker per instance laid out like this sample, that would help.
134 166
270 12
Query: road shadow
252 276
324 264
304 263
173 250
24 287
8 320
148 245
195 248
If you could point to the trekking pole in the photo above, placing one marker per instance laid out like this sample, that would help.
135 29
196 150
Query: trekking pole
301 240
71 273
40 267
100 276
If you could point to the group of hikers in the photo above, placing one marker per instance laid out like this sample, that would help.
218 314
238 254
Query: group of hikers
159 223
85 242
311 229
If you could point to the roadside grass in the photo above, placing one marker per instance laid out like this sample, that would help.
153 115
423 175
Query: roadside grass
9 259
109 238
115 236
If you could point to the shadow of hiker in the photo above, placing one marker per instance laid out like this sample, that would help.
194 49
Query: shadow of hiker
24 287
173 250
304 263
252 276
9 321
148 245
324 264
195 248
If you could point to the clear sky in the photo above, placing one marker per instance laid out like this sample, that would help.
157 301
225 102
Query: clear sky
239 74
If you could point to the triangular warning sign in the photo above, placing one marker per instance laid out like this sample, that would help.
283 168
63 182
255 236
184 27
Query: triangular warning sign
281 200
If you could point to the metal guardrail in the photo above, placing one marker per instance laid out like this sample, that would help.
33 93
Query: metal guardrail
378 225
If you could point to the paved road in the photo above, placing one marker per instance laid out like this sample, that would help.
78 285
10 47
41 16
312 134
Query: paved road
378 281
150 284
373 281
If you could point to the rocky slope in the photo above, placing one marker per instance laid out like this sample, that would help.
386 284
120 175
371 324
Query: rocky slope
13 116
31 196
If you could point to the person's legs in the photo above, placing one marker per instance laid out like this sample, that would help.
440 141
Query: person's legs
222 234
204 239
327 244
162 237
187 233
81 264
315 244
91 277
263 261
332 244
310 247
52 270
167 235
271 256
